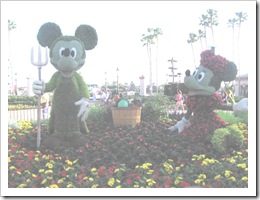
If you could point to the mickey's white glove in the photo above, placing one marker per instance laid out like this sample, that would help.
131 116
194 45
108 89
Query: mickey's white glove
242 105
179 126
83 110
38 87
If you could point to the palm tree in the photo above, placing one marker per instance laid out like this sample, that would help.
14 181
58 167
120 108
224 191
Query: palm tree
11 26
241 17
212 21
204 22
193 38
201 35
148 41
231 23
156 33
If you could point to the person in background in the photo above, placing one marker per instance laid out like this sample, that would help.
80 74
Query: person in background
224 98
116 97
179 102
45 99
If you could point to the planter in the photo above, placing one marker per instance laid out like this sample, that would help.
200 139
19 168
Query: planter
126 116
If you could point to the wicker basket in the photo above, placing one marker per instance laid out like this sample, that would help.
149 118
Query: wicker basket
126 116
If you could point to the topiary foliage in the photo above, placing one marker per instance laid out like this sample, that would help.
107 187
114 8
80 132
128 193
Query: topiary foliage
227 138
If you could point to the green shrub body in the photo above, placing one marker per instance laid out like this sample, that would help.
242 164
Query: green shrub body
227 138
63 117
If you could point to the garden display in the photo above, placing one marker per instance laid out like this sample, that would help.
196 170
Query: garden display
200 122
70 99
127 144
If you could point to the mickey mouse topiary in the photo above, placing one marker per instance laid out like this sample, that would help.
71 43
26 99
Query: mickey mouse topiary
70 98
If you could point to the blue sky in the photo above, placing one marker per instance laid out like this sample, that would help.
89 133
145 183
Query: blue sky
120 26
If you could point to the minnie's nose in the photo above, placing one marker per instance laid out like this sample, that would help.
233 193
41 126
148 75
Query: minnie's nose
187 72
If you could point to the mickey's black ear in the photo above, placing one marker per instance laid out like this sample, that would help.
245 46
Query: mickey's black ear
48 33
230 72
87 35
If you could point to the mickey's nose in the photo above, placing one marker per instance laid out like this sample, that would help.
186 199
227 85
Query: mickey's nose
187 72
65 52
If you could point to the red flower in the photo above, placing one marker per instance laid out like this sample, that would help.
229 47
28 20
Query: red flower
128 181
185 184
80 176
63 173
111 170
101 171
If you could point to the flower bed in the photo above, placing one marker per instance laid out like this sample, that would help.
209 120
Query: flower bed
144 156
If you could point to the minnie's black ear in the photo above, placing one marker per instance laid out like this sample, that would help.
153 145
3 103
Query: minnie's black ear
230 72
88 35
48 33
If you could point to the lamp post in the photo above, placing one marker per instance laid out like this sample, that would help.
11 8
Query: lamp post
172 68
117 72
106 81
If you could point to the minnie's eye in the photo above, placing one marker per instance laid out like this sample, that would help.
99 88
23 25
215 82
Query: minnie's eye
201 76
73 52
195 72
61 52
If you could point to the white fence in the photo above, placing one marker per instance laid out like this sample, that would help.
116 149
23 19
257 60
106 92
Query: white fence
28 115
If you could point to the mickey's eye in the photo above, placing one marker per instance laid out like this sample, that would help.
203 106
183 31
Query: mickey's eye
73 53
195 72
61 52
201 76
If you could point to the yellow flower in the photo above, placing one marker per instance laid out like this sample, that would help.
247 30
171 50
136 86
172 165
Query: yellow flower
176 182
111 182
94 186
44 181
118 181
54 186
150 171
34 175
177 169
137 166
41 170
119 186
12 167
49 165
28 180
232 160
68 162
36 159
233 178
75 161
217 177
197 181
150 182
60 180
227 173
91 179
9 159
136 186
21 185
202 176
70 185
48 172
244 178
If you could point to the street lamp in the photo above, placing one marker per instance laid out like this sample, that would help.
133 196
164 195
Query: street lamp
106 80
117 72
172 68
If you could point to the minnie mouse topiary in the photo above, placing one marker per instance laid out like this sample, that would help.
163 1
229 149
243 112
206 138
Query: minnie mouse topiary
200 120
